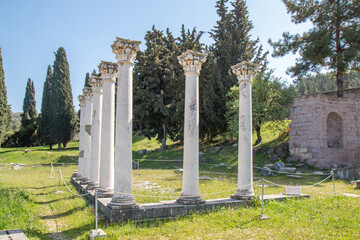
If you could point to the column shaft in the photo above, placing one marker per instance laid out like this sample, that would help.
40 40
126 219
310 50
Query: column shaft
191 137
81 141
107 139
245 156
95 139
87 141
123 138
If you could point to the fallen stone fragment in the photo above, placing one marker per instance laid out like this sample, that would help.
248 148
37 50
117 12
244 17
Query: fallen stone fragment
178 171
204 178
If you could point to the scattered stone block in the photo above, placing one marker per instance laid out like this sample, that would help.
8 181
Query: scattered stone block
201 154
204 178
135 165
279 165
319 173
214 150
294 176
97 233
274 158
36 166
223 164
27 150
16 167
287 170
301 165
229 168
235 145
15 234
141 151
265 171
269 165
178 171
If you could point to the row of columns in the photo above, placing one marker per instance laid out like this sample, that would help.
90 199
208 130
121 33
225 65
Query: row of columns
111 172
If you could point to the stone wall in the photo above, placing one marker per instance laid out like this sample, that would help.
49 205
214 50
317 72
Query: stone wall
325 129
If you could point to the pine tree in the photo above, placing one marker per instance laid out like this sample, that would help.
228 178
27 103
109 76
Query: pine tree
332 43
5 112
63 129
29 115
45 120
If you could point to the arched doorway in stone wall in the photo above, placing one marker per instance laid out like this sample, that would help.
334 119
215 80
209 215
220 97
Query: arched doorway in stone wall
334 130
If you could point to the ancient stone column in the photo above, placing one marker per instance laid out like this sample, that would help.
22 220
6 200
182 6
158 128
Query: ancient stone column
81 136
87 135
108 72
244 72
125 51
191 62
97 91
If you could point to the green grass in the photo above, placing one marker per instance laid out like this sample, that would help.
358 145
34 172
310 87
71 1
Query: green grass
31 203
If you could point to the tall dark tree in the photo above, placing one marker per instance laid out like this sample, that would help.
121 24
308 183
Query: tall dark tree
233 44
45 120
63 129
29 115
87 79
5 112
151 93
332 44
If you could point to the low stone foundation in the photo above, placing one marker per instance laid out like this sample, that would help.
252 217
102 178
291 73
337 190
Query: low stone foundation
167 209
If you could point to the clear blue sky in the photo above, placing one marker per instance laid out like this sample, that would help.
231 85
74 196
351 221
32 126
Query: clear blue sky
32 30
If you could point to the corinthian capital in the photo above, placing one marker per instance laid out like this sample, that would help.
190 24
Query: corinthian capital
96 84
125 50
81 101
191 61
245 71
87 91
108 70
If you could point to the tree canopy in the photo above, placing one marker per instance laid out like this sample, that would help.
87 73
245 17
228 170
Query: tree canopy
332 44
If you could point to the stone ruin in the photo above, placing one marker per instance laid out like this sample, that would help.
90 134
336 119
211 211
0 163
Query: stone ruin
325 129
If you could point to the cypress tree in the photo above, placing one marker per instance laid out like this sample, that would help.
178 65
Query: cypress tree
29 115
87 79
5 112
63 113
233 45
45 120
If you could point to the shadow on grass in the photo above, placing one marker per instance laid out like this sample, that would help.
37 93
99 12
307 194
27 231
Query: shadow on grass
54 200
64 214
68 234
51 186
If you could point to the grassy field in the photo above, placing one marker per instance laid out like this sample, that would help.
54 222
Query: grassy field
28 199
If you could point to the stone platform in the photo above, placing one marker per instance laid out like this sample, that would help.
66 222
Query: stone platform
168 209
13 234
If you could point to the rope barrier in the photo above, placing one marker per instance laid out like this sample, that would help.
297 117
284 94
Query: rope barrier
79 195
306 186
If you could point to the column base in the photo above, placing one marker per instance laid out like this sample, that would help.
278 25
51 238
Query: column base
105 193
183 200
92 186
123 202
78 178
84 181
244 194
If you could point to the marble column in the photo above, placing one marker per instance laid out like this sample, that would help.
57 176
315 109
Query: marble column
125 51
96 84
191 62
81 136
87 135
108 72
244 72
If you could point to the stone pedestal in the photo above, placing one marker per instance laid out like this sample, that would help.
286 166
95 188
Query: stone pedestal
96 84
244 72
191 62
125 51
108 72
87 135
81 136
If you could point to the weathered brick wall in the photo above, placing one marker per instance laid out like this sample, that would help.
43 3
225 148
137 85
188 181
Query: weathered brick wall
310 137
